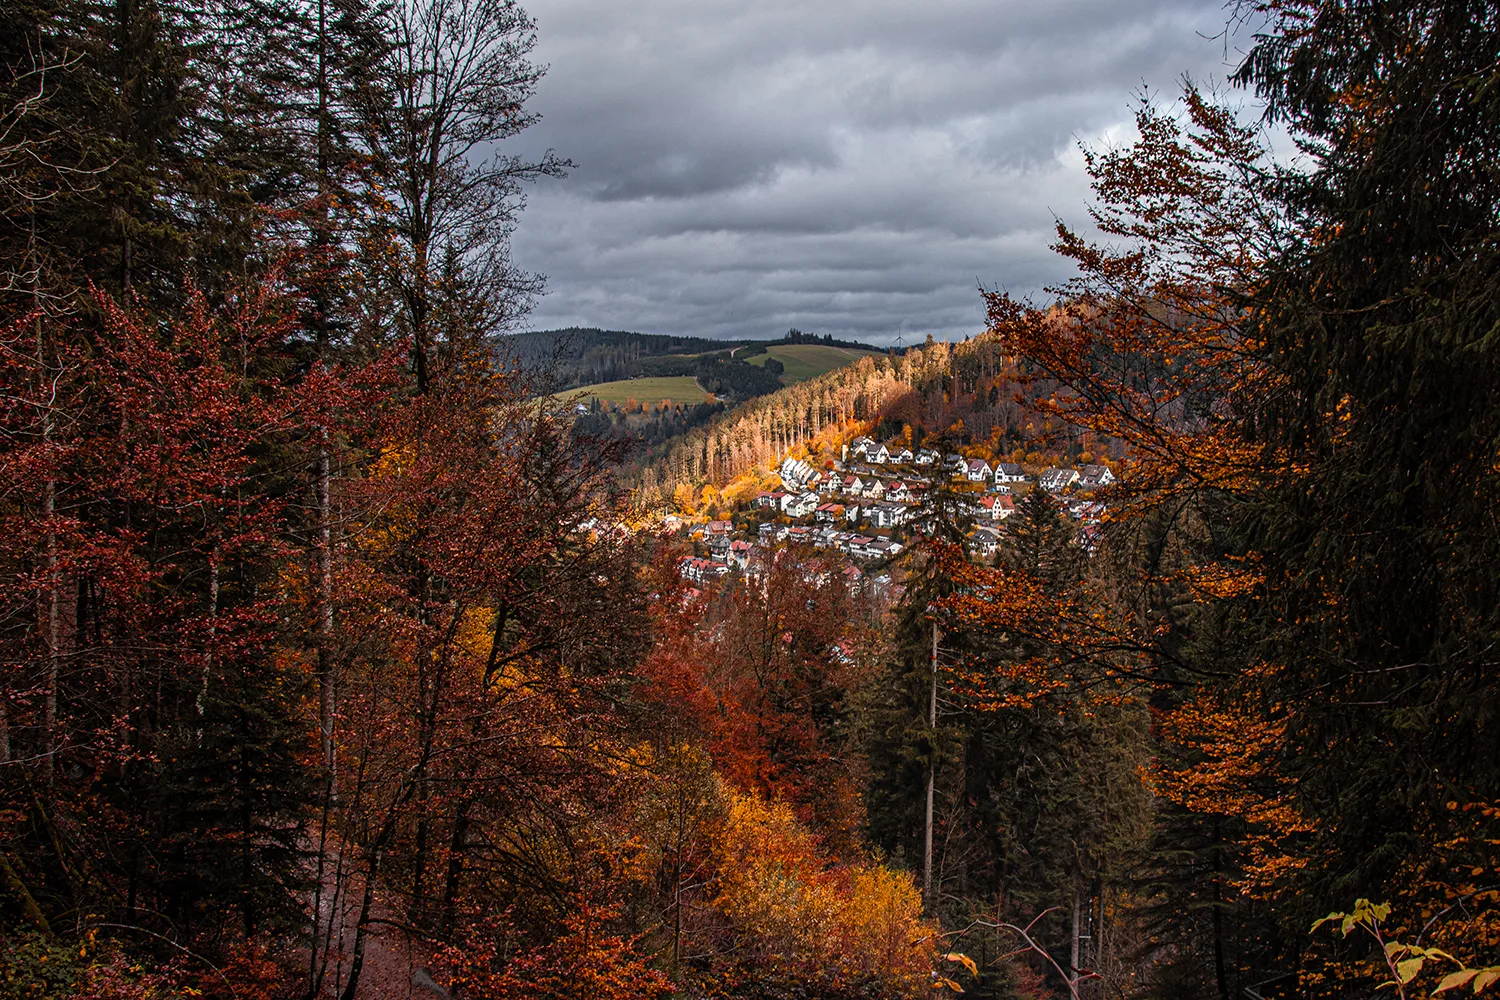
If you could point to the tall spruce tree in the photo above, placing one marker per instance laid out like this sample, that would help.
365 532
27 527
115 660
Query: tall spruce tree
1383 319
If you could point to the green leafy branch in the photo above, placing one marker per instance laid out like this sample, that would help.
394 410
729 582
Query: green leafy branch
1406 961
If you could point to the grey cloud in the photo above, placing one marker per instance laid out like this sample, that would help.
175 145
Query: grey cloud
850 169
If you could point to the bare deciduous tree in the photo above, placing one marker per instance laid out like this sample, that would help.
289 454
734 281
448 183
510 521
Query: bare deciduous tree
460 78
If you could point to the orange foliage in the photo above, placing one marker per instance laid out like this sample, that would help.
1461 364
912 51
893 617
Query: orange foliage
794 908
583 961
1218 758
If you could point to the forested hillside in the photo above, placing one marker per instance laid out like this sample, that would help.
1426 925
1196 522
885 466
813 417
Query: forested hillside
578 357
950 394
342 659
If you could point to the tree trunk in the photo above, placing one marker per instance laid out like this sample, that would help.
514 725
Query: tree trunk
53 613
357 962
1073 956
30 911
455 865
928 890
1218 921
326 688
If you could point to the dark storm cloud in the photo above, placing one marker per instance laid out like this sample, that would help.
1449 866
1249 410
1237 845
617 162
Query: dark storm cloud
855 169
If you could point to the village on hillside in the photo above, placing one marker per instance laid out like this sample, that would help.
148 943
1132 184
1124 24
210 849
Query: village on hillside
867 505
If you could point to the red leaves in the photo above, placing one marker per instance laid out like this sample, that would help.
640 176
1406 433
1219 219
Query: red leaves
761 680
584 961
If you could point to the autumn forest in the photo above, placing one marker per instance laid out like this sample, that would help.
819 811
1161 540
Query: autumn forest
349 649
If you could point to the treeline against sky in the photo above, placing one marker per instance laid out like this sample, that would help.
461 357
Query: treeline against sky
927 389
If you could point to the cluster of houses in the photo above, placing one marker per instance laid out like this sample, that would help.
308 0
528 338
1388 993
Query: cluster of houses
885 485
752 561
879 487
1084 480
976 470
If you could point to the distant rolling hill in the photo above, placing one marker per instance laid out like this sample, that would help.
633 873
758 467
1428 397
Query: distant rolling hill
579 356
586 356
648 390
805 361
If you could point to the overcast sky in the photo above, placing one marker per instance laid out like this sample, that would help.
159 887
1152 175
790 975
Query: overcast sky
746 166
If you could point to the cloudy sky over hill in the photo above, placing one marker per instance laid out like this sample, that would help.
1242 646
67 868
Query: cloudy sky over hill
847 168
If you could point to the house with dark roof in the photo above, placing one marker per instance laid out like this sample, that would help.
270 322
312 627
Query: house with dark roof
1056 480
1095 477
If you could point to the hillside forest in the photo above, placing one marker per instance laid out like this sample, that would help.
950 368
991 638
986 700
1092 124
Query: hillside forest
345 654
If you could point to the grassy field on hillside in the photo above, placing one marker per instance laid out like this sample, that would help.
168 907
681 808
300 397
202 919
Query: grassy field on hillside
805 361
676 389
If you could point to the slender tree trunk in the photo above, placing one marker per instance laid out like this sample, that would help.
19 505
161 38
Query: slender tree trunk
326 685
928 890
213 621
30 911
677 880
456 848
1073 956
1218 921
416 913
125 22
314 969
357 962
53 613
323 532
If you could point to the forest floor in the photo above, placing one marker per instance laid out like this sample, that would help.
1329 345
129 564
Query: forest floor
393 958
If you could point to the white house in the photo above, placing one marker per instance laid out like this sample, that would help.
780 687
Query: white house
794 471
977 470
1009 472
1093 477
887 515
985 541
802 505
873 548
1053 480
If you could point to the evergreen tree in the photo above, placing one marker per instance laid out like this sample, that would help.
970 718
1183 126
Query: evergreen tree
1381 557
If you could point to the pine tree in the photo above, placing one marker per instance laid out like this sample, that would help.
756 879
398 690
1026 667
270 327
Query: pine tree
1384 325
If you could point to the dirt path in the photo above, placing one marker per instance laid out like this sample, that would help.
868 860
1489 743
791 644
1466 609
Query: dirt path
392 956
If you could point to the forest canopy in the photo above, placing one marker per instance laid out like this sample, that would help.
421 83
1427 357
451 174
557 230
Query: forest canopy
341 659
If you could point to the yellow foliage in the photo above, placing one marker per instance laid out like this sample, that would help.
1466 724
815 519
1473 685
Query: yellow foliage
686 499
793 904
